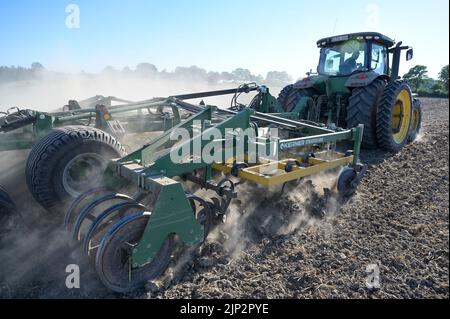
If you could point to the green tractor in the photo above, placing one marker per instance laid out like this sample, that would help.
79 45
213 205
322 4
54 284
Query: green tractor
357 82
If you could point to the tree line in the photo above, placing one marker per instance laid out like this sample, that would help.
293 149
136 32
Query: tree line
423 85
417 76
148 70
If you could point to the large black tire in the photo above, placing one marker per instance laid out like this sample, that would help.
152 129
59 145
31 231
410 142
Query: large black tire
3 193
345 183
289 97
68 162
393 129
362 109
416 121
7 205
7 210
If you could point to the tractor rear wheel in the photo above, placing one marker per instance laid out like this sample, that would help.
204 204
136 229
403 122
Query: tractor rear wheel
416 121
289 97
394 116
67 162
362 109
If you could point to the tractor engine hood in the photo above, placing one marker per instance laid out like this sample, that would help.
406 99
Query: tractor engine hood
359 79
311 81
362 79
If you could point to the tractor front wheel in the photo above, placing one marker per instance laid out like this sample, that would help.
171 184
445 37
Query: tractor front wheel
394 116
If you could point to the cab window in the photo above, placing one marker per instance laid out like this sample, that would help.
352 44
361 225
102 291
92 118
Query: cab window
343 59
378 60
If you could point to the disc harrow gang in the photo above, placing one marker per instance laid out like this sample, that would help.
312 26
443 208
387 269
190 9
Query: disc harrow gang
132 238
109 226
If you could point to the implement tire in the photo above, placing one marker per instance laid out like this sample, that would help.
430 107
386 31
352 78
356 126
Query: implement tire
7 205
362 109
7 212
67 162
394 116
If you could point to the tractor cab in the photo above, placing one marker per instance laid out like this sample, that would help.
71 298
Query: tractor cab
345 55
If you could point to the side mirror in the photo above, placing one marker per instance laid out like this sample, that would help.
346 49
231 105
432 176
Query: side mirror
409 54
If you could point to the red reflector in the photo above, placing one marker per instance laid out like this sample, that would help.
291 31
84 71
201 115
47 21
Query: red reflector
362 77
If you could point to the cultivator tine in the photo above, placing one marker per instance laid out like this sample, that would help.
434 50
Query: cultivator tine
205 215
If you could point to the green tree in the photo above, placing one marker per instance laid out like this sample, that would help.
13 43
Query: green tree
437 87
416 76
443 76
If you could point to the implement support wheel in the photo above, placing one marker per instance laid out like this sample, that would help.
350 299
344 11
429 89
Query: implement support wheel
114 256
347 182
67 162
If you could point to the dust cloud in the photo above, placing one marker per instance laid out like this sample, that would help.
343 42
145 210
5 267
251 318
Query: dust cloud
51 91
34 255
278 211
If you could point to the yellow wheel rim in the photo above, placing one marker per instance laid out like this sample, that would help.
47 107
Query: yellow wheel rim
401 117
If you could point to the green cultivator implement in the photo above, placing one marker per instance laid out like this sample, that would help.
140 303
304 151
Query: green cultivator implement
131 238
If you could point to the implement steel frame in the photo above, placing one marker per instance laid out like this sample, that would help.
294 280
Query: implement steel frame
152 169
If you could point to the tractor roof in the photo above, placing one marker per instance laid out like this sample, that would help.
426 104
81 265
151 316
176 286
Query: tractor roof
374 36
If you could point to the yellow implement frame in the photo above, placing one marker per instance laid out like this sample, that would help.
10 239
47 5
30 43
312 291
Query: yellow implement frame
272 173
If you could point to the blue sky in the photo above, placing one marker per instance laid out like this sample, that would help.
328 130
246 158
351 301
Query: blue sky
218 35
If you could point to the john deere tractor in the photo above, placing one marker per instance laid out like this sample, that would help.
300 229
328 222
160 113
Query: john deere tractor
357 82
